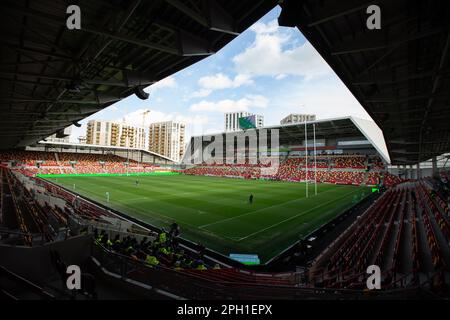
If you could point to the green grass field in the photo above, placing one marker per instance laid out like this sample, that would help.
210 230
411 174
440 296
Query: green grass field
215 211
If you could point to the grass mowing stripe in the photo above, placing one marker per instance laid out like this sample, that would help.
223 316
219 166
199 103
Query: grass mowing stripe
164 218
296 216
195 201
255 211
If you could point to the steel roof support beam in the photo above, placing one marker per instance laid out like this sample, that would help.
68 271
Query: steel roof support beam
378 41
18 100
35 51
436 81
340 10
57 21
214 16
388 78
22 63
131 79
189 45
131 40
390 98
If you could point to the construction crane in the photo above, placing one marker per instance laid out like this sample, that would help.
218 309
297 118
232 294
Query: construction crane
144 114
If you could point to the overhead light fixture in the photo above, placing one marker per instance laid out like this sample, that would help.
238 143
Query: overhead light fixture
74 86
140 93
77 124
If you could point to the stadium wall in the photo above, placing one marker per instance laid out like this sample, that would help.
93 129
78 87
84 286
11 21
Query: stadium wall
73 251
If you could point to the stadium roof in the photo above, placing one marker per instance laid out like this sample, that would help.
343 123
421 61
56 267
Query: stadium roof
400 73
84 146
52 77
334 128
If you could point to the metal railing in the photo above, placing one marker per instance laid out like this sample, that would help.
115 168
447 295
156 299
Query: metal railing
194 286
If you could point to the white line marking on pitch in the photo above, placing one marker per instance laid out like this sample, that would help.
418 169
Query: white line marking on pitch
168 219
254 211
134 199
293 217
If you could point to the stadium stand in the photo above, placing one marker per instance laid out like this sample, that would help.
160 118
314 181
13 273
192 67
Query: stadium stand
34 162
348 169
41 222
405 232
160 250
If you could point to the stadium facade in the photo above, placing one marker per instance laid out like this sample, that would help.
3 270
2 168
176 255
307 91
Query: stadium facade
332 137
297 118
135 154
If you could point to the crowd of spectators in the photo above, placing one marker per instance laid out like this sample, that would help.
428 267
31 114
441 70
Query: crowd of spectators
163 250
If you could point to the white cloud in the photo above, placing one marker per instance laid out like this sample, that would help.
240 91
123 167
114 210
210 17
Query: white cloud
229 105
78 132
201 93
168 82
326 98
220 81
135 118
267 55
195 124
264 28
242 79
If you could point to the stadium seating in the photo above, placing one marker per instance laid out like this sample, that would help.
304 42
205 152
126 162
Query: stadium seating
33 162
243 171
339 169
241 277
29 158
404 232
411 216
343 169
354 162
389 180
39 221
30 219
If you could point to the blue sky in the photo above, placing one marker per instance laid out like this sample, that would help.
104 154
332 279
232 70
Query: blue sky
268 70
